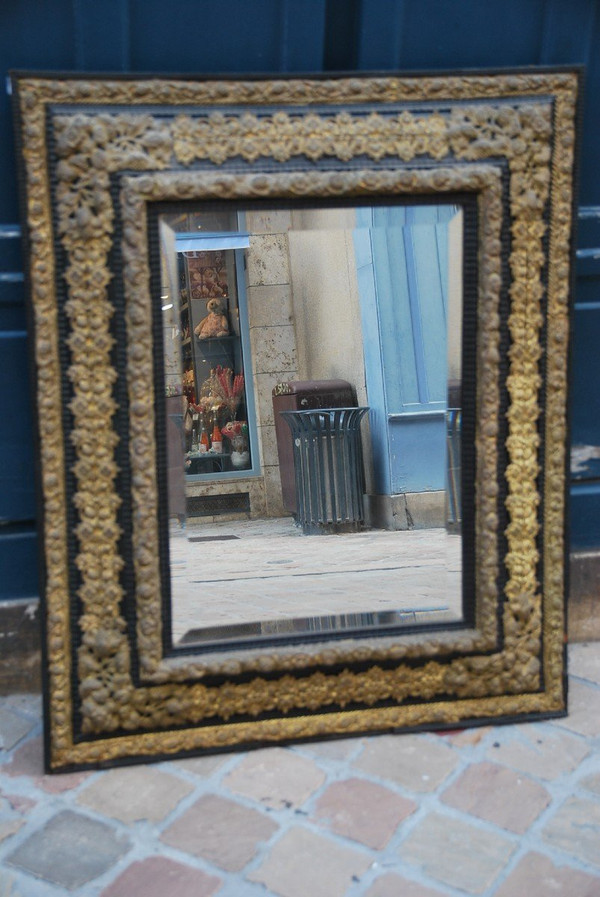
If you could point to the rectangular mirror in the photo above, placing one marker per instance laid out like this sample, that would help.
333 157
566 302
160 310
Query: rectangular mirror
300 352
390 277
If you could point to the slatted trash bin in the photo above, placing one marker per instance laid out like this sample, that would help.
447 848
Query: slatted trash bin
303 395
328 469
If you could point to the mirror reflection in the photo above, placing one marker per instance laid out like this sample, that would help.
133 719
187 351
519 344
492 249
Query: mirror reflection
313 370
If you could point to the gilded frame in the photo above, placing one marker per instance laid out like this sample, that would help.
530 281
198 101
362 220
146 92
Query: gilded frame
95 151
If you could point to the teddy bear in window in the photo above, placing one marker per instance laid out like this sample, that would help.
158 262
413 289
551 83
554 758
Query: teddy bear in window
215 323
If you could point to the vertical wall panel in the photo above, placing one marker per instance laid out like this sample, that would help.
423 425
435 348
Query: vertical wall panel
102 37
234 36
382 47
16 445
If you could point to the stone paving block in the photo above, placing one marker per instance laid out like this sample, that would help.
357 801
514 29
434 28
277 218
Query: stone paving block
221 831
592 783
498 795
537 876
584 661
336 749
363 811
392 885
20 803
162 877
575 828
13 728
135 793
302 864
27 760
532 750
28 704
9 827
413 761
202 766
70 850
276 777
456 853
466 737
584 709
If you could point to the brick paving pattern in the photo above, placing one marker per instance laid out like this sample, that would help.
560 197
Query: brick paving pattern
500 811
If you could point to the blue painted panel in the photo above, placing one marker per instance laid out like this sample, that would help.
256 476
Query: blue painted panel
237 36
585 516
17 500
438 34
418 454
587 291
34 34
399 352
585 394
431 292
371 330
11 259
12 316
402 296
102 35
12 306
18 563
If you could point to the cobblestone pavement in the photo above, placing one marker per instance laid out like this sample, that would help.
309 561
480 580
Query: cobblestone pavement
508 811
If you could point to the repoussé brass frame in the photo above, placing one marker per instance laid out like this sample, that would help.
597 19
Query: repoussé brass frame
96 151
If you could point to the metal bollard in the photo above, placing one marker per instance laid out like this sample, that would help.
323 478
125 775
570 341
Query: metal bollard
328 469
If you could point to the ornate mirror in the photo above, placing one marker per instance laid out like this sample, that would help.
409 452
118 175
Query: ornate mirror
300 358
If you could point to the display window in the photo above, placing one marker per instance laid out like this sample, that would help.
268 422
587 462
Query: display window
208 376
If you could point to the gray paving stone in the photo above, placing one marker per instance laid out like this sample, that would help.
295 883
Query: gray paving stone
592 783
363 811
302 864
337 749
13 727
584 661
456 853
162 877
221 831
8 888
28 704
19 802
414 761
201 766
499 795
275 777
547 754
538 876
584 709
575 828
135 793
9 827
27 760
392 885
466 738
70 850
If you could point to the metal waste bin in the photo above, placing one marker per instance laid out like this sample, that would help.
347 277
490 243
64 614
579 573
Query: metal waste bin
302 395
328 469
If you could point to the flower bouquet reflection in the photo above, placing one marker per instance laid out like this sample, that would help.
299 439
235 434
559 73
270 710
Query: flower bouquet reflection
236 432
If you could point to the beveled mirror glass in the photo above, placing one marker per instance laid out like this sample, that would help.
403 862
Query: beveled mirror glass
369 294
201 254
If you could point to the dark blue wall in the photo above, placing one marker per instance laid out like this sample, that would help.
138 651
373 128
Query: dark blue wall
270 36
